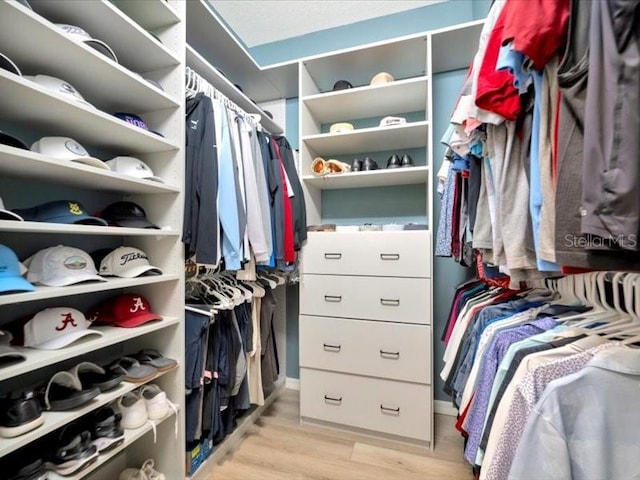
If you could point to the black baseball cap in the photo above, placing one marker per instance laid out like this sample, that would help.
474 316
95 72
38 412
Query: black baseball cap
6 139
7 64
127 214
341 85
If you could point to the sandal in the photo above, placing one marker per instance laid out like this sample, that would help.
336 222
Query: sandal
132 370
75 454
155 359
64 392
93 376
106 429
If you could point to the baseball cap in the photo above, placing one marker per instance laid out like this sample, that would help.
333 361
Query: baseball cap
341 85
341 127
127 262
6 139
65 148
390 121
7 352
127 214
132 167
8 214
59 86
381 78
127 310
10 276
80 35
61 266
60 211
136 120
7 64
54 328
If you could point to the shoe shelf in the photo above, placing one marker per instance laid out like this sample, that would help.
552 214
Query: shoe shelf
43 293
55 420
149 14
130 436
16 162
409 135
111 336
373 178
408 95
32 106
134 46
61 228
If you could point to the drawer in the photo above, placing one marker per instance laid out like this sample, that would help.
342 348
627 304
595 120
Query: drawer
405 300
386 406
379 349
386 254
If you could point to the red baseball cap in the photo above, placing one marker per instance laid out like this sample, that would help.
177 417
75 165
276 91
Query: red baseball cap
127 310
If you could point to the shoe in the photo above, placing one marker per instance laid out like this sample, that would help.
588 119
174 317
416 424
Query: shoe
336 166
407 161
156 401
156 359
394 161
369 164
19 416
93 376
133 411
146 472
65 392
132 370
75 453
319 166
357 165
106 430
34 470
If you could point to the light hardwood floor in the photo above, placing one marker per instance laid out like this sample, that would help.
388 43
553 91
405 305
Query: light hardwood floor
278 448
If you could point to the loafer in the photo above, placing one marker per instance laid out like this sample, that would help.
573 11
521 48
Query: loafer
369 164
357 165
407 161
19 416
394 161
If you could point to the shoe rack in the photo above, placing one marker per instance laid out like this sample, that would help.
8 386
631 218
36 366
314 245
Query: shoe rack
365 296
28 111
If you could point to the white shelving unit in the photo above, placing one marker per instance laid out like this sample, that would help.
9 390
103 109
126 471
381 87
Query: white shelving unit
29 112
375 178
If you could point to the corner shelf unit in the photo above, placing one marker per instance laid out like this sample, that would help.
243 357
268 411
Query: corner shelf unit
29 112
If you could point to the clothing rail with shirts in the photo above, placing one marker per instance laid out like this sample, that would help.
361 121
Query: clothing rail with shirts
545 380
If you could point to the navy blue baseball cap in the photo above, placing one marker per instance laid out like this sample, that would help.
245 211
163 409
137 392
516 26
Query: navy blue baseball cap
136 120
60 211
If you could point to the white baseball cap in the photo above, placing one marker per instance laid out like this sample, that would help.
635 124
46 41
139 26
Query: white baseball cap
65 148
6 350
80 35
8 214
132 167
55 328
127 262
59 86
61 266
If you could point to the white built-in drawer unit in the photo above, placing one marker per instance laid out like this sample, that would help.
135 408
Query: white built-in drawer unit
385 254
396 408
392 299
378 349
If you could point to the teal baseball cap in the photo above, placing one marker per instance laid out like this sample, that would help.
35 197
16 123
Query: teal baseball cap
10 275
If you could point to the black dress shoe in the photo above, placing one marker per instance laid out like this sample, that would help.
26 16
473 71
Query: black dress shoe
369 164
407 161
394 161
19 416
357 165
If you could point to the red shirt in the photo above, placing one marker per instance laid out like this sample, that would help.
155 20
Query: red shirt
289 250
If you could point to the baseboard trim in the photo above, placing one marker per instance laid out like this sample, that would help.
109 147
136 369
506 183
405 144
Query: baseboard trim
293 383
439 406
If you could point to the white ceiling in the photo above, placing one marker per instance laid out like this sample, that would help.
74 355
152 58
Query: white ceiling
264 21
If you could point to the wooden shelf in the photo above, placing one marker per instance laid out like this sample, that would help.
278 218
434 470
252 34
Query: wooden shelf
29 105
106 22
25 164
398 97
111 335
43 293
149 14
221 83
376 139
55 420
375 178
65 229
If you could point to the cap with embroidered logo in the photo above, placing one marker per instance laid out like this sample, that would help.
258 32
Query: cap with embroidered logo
59 86
55 328
61 266
65 148
60 211
127 310
80 35
127 262
10 275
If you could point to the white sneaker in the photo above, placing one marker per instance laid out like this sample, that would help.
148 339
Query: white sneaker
156 401
133 410
146 472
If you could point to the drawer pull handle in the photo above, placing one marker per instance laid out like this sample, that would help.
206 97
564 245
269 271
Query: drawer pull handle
389 256
391 355
333 256
333 298
332 348
390 302
334 400
390 410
